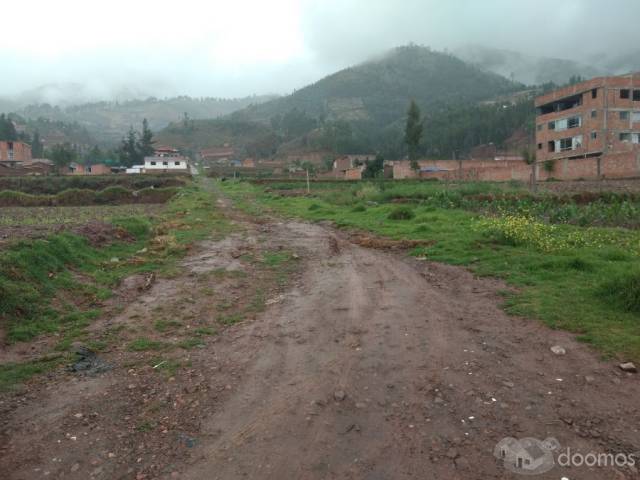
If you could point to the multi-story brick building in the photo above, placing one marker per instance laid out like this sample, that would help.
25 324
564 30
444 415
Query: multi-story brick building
598 119
14 153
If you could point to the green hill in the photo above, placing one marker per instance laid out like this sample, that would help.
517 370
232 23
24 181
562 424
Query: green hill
107 122
378 91
363 108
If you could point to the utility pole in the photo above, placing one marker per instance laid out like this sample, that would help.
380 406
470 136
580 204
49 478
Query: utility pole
308 185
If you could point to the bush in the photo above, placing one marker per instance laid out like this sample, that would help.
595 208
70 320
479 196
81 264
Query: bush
10 198
401 213
75 196
624 290
114 195
368 192
56 184
359 208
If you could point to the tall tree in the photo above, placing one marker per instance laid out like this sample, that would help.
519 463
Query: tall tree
37 148
413 133
128 152
145 145
62 156
7 129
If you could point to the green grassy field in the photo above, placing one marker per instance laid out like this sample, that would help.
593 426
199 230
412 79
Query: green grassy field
582 279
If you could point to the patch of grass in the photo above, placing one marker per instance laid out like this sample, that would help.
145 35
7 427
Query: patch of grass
230 319
191 343
275 259
167 366
144 344
146 427
401 213
163 325
624 290
257 303
201 331
12 374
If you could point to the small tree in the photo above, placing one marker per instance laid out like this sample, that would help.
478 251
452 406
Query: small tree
413 133
62 156
374 168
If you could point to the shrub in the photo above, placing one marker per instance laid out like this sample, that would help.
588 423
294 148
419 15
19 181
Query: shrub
624 290
115 194
314 206
10 198
359 208
401 213
138 227
75 196
368 192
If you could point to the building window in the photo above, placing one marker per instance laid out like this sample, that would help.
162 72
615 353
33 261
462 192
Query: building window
624 93
635 117
624 115
625 137
565 123
565 144
635 137
594 93
539 146
574 122
636 95
153 163
166 164
540 127
594 135
594 114
176 163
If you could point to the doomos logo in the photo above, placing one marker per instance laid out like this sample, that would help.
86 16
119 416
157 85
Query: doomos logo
527 456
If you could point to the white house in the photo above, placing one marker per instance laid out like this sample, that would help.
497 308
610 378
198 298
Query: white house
135 169
165 164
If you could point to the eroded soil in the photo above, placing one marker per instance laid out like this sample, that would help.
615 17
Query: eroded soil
341 361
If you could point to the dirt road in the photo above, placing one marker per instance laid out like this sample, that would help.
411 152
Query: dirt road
369 365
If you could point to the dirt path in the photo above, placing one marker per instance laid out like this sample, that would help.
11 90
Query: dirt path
369 366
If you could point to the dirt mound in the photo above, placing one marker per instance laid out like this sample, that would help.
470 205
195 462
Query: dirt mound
370 241
100 234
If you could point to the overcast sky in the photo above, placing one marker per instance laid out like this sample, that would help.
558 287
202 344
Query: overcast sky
228 48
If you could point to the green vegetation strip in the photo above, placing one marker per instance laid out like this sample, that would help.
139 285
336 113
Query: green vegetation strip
56 285
584 280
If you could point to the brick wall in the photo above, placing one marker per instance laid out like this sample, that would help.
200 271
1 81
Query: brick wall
618 165
20 150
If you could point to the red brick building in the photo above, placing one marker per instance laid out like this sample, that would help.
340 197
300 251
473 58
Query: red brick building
14 153
598 119
222 154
